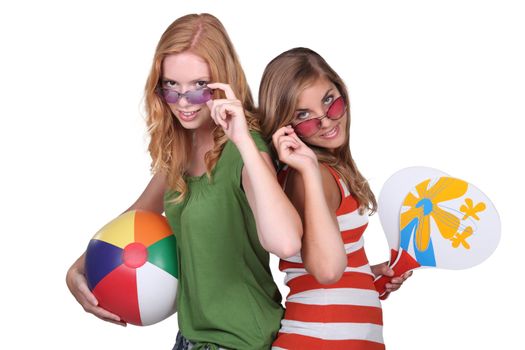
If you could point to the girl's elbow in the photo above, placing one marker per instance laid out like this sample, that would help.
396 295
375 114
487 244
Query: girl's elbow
285 248
291 248
295 243
328 277
328 274
286 244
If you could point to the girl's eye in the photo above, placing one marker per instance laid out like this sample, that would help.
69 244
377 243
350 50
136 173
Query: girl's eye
201 84
328 100
302 115
169 84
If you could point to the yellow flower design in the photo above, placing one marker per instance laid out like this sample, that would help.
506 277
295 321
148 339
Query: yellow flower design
471 210
461 238
425 206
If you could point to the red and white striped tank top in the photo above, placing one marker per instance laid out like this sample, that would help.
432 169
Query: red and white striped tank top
344 315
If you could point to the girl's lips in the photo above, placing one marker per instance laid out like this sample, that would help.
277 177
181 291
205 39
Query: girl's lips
331 133
188 116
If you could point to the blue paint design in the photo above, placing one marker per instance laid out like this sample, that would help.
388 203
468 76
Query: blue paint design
407 232
426 257
426 204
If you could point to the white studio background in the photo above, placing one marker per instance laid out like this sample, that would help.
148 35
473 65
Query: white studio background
438 83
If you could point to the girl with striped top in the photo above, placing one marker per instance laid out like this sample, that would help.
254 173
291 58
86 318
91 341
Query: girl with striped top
332 302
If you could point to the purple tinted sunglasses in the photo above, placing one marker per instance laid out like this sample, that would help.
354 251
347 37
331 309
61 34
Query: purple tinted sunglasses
195 97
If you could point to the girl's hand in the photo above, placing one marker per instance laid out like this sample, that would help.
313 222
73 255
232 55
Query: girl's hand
292 150
77 284
396 282
228 113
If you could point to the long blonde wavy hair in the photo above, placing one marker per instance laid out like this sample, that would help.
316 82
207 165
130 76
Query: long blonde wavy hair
170 144
283 80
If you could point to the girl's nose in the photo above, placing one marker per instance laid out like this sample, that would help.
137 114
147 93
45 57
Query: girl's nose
183 101
325 122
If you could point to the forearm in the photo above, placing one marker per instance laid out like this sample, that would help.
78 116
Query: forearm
76 268
78 265
323 250
278 223
152 199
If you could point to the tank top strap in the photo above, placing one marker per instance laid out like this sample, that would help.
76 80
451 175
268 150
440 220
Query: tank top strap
282 176
340 183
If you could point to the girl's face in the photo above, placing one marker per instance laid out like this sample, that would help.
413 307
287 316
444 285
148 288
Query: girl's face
185 72
313 103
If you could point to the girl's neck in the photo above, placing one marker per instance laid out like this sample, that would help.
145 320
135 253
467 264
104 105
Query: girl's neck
203 136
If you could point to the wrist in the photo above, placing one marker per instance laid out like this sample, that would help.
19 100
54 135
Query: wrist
245 144
310 168
77 267
311 172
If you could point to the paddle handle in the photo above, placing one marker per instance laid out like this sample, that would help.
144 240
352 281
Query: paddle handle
381 281
399 264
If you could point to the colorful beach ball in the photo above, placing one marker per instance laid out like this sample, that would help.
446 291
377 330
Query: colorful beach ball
131 267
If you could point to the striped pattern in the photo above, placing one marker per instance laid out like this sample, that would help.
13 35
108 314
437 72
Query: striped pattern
343 315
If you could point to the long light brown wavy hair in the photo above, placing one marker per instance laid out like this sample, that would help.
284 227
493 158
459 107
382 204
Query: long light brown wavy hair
170 144
284 78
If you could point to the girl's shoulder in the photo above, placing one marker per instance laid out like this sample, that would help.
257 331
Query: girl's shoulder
230 148
294 185
331 185
230 162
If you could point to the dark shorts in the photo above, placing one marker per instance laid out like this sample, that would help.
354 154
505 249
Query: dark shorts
182 343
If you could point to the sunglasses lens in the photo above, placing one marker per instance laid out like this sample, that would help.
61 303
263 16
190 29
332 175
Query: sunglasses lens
198 97
336 109
194 97
308 127
169 96
311 126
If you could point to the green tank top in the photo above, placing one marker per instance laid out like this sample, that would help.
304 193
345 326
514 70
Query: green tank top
226 296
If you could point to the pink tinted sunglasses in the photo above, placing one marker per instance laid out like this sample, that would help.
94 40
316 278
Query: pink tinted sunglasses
309 127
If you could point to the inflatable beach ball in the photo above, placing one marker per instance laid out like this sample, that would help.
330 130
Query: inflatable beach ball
131 267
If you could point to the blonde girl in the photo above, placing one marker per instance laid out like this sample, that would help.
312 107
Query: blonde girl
214 179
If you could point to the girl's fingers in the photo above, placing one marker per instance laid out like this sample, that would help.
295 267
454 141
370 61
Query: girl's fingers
228 91
220 110
291 132
286 139
106 315
210 107
214 107
120 323
276 136
391 287
297 138
288 144
217 112
89 302
284 131
281 131
227 108
86 293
